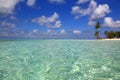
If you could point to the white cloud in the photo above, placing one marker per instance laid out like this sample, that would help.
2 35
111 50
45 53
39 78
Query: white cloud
7 6
7 24
63 31
109 22
35 30
49 31
57 1
78 11
76 31
82 1
30 2
92 23
94 11
100 11
57 24
54 32
53 17
50 22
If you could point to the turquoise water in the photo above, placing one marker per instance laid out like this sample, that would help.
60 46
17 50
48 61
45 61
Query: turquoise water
59 60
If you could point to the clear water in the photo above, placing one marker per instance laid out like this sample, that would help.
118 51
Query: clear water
59 60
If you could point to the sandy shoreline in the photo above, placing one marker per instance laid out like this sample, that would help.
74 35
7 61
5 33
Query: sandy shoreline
111 39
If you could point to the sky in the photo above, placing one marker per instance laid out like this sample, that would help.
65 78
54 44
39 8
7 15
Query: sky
57 18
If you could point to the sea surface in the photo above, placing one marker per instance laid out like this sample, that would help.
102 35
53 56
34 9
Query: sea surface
59 60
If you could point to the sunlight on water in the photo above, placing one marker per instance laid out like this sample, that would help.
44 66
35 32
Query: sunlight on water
59 60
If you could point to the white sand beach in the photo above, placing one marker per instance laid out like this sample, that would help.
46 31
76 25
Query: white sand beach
111 39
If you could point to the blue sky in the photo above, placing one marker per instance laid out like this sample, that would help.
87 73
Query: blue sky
57 18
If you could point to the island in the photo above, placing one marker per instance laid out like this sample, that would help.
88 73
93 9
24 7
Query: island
109 35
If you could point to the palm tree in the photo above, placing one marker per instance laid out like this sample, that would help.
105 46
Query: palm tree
97 34
106 32
98 25
117 34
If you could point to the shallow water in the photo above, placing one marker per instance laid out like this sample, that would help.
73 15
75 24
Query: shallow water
59 60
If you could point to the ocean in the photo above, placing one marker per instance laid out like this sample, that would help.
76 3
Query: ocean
59 60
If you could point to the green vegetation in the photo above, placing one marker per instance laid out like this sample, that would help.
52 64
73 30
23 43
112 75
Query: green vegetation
97 27
108 34
96 34
112 34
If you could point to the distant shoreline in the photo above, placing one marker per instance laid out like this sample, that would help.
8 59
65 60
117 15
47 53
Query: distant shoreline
20 39
111 39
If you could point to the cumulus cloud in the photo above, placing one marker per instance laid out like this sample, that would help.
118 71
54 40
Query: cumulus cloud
109 22
30 2
57 1
94 11
82 1
92 23
63 31
100 11
49 31
54 32
35 30
7 24
78 11
76 31
7 6
50 22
